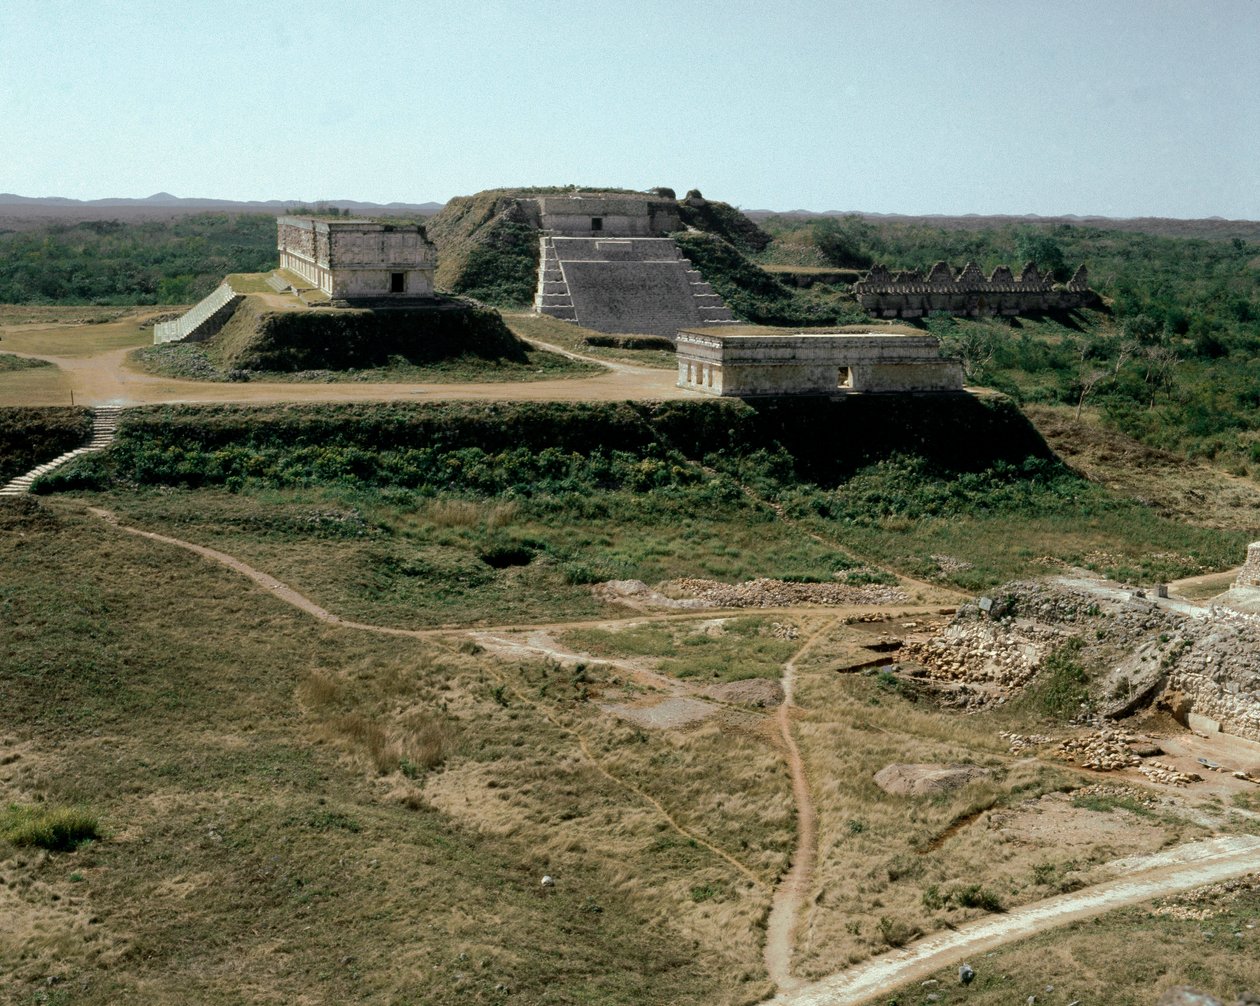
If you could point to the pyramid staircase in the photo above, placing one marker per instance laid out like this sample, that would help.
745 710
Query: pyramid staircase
202 320
554 295
104 429
713 310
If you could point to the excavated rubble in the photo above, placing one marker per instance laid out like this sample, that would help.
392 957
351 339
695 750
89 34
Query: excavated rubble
1104 750
766 593
1137 651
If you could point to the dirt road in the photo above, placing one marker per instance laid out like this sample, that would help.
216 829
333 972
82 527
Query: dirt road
105 379
1180 869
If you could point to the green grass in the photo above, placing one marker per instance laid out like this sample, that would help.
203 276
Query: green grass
250 800
57 829
9 363
195 362
742 648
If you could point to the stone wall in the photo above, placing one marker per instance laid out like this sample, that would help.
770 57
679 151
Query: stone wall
1249 575
357 259
814 364
592 214
910 294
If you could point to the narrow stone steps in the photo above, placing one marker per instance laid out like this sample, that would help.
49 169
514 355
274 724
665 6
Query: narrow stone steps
104 429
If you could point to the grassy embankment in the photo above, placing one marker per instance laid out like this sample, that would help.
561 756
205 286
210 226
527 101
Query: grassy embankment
958 490
29 437
451 340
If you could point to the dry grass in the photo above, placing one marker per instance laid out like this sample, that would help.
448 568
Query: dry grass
1124 958
77 339
890 865
1189 491
299 795
36 386
567 335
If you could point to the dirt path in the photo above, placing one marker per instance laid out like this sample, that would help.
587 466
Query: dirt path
1181 869
303 603
795 885
106 379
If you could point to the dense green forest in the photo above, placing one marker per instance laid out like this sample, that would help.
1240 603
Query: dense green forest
1170 356
148 262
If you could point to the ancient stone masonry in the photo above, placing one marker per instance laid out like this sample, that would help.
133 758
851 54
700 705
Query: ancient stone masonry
910 294
1249 575
587 214
357 259
638 285
815 364
606 263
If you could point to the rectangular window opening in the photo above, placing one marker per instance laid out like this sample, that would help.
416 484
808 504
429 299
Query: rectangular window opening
844 379
397 282
597 223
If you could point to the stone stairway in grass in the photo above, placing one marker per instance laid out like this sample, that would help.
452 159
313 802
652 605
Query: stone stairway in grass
202 320
104 428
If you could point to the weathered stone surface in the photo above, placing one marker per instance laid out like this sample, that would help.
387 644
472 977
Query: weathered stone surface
620 284
926 780
357 259
910 294
1249 575
746 365
1184 995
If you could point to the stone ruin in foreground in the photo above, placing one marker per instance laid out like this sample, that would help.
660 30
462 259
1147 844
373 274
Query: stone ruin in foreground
910 294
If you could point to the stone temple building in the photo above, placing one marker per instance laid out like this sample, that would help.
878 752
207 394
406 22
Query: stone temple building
606 262
910 294
732 363
357 259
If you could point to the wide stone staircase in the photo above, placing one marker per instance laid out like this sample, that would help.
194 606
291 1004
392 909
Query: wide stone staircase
202 320
104 429
631 285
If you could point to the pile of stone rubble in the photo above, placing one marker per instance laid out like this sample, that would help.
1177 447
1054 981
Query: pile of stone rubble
766 593
1019 743
1105 750
978 651
1158 771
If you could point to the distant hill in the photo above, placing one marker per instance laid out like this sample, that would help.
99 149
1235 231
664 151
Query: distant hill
21 212
1209 227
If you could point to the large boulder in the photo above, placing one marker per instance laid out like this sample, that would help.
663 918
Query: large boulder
926 780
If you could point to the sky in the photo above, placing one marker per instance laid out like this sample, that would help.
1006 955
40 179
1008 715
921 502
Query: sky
1132 108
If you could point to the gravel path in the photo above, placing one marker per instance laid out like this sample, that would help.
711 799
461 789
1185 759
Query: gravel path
1181 869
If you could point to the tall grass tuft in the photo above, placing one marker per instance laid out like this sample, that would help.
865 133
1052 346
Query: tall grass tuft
58 829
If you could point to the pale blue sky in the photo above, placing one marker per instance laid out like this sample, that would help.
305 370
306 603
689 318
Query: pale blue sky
967 106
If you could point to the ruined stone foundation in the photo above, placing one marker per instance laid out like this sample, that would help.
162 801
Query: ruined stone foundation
1249 575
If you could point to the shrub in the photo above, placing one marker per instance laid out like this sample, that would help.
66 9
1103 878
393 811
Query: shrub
58 829
896 932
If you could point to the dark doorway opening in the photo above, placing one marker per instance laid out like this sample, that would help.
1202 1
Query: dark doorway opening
597 223
397 282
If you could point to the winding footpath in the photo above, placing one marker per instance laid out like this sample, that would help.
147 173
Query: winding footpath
785 909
